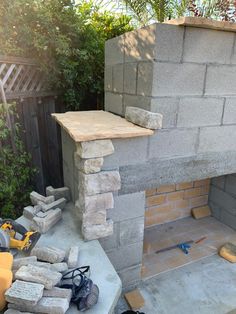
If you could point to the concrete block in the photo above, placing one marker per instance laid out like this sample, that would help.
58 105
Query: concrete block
144 118
46 277
58 293
168 107
182 79
127 151
118 78
145 78
102 182
108 78
112 241
60 203
59 267
96 202
63 192
128 206
207 46
23 261
219 182
195 112
228 218
114 50
49 254
215 210
73 257
230 111
46 305
114 103
130 78
223 200
24 293
138 101
130 275
217 139
131 231
95 149
126 256
94 218
87 166
36 197
230 185
29 212
92 232
176 142
44 224
220 80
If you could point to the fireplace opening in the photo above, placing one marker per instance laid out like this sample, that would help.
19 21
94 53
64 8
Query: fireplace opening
168 222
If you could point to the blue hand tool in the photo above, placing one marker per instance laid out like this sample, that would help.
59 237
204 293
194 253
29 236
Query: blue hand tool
184 247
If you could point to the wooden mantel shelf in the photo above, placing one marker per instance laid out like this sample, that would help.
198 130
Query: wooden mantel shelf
85 126
203 23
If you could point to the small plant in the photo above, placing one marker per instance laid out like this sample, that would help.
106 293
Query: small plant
15 171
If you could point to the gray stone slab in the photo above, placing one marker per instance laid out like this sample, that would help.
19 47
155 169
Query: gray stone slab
23 261
49 254
95 149
24 293
58 293
130 78
230 111
130 275
207 46
144 118
168 107
195 112
114 103
73 257
118 78
131 231
145 77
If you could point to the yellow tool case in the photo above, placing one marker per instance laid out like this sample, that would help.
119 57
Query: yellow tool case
6 261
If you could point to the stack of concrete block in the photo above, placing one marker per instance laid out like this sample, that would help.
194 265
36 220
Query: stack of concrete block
95 188
46 210
36 278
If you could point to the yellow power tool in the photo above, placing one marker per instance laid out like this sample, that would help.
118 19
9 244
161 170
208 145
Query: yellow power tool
15 236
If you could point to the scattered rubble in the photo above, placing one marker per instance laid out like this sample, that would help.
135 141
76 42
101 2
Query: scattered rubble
73 256
63 192
49 254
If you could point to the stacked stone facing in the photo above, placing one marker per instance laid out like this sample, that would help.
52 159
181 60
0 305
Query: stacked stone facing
95 188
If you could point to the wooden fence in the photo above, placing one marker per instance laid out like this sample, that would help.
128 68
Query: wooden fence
23 83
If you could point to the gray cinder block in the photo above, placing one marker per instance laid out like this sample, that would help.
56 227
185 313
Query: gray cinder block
108 78
131 231
230 111
114 50
130 276
114 103
130 78
223 200
145 77
219 182
118 78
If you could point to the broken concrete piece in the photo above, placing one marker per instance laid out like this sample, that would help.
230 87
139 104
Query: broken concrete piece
92 232
228 252
36 197
58 193
60 203
43 224
24 293
144 118
49 254
73 256
44 276
96 218
94 149
58 293
102 182
95 203
23 261
60 267
87 166
46 305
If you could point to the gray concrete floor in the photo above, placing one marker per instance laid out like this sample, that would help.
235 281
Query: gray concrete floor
207 286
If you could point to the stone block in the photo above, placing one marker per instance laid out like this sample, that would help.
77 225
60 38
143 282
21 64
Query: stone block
223 200
96 202
11 311
217 139
63 192
73 257
131 231
46 305
58 293
114 103
92 232
60 203
207 46
44 224
36 198
220 80
184 79
118 78
49 254
195 112
168 107
23 261
176 142
219 182
46 277
230 111
102 182
87 166
144 118
24 293
230 185
112 241
130 78
139 101
114 50
145 78
94 218
108 78
128 206
29 211
95 149
59 267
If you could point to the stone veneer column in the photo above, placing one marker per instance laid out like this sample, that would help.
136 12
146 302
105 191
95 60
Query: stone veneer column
95 188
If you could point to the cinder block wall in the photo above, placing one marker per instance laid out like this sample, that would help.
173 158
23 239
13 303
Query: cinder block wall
222 199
